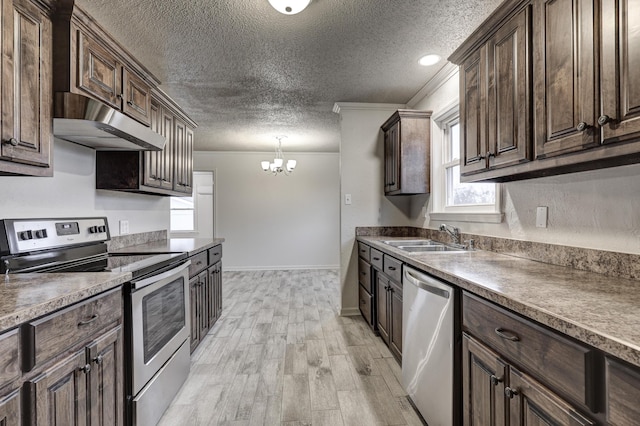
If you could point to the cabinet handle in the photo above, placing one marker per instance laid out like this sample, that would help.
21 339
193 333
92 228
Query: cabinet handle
216 254
362 301
86 369
13 142
129 103
88 321
510 393
582 126
392 268
508 335
376 258
495 380
119 96
98 359
199 262
363 273
604 119
153 177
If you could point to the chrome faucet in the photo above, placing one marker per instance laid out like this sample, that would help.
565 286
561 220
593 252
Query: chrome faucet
453 231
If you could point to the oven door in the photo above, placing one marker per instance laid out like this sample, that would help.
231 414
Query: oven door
159 321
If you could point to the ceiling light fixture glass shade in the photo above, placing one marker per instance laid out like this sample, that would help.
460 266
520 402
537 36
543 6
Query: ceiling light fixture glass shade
429 60
289 7
278 165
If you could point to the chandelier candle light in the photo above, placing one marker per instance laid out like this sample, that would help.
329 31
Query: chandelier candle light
276 166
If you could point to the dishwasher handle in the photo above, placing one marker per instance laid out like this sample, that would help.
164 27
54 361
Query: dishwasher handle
423 282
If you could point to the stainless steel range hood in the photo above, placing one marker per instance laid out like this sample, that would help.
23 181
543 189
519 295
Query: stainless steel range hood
92 123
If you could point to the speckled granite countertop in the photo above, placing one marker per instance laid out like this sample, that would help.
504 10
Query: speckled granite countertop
593 308
24 297
173 245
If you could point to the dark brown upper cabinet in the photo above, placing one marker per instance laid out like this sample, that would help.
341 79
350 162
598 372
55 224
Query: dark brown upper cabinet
89 61
406 152
494 99
551 87
27 141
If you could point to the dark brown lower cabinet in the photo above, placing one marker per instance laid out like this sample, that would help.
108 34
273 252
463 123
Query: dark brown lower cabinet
10 408
622 393
497 393
214 288
197 300
105 385
205 293
389 313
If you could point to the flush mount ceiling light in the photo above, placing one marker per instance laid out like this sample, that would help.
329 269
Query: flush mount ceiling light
428 60
289 7
276 166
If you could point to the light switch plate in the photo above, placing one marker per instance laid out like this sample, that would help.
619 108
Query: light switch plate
124 227
542 214
347 199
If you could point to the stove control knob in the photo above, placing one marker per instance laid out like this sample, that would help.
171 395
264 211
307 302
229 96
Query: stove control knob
102 228
25 235
41 233
93 229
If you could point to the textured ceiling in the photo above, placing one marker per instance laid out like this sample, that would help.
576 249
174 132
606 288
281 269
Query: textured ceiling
246 73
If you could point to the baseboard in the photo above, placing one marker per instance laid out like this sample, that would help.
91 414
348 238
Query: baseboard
280 268
349 312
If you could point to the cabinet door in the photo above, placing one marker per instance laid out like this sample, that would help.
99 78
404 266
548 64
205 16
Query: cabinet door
483 377
167 164
99 72
473 113
212 303
137 97
26 88
10 409
382 310
533 404
395 318
58 396
565 96
105 394
392 158
194 300
508 92
203 288
183 157
620 73
153 159
622 393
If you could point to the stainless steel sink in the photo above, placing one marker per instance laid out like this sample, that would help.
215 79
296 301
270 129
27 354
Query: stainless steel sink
422 246
398 243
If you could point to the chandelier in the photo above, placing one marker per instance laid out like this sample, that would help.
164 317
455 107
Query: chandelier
289 7
278 166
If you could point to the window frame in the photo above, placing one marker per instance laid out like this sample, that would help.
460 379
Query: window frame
441 163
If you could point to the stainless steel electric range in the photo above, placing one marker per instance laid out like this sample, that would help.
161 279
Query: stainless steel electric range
156 300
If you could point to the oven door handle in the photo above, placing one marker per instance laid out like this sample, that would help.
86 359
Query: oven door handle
136 285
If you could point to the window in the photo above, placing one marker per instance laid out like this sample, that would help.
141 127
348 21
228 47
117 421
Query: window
453 200
182 214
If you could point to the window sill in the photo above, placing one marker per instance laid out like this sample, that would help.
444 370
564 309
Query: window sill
467 217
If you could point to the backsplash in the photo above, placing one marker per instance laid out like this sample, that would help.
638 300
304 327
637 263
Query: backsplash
608 263
120 241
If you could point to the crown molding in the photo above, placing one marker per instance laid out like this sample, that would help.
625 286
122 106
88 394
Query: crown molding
445 73
363 106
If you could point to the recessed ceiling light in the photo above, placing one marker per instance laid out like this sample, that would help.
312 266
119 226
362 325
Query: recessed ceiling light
429 60
289 7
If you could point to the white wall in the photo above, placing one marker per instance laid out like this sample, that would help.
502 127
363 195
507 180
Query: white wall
361 153
598 209
275 222
71 192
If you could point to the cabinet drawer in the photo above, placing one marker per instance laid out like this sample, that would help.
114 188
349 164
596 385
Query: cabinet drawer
364 274
555 360
364 251
9 357
365 304
376 259
393 268
623 393
198 263
215 254
54 334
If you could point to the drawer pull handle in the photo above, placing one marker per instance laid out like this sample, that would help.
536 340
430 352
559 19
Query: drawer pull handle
495 380
88 321
376 258
198 263
510 393
98 359
392 268
86 369
216 254
507 335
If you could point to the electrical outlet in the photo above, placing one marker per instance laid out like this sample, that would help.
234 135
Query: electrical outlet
347 199
124 227
542 215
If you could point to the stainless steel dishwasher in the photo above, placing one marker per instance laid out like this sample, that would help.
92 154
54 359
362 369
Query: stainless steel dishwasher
428 345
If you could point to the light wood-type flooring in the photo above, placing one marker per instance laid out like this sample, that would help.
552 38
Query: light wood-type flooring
281 355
